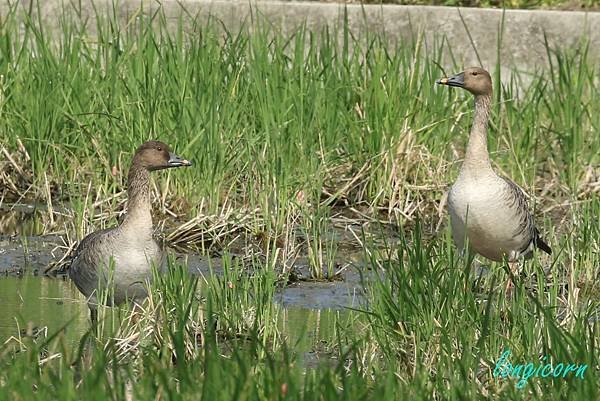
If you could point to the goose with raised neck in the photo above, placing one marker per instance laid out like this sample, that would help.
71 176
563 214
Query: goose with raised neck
486 210
113 265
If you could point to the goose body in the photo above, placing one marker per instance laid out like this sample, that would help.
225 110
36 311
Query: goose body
491 212
117 257
112 266
487 210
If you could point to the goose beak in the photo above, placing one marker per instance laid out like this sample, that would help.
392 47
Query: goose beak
457 80
176 161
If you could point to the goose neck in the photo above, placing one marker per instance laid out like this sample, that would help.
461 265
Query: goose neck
477 155
139 206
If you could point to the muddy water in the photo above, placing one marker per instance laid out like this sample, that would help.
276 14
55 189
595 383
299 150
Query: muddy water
23 219
20 255
36 302
31 305
26 256
30 302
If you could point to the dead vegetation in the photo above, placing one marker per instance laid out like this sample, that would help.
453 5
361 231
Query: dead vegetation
414 189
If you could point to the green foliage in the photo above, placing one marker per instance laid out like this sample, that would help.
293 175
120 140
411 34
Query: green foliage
261 115
428 331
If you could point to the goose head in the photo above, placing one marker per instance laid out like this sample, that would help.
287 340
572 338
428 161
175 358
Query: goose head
474 79
155 155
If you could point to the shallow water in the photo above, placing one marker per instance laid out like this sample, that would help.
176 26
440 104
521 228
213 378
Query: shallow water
22 256
36 305
25 219
30 301
40 303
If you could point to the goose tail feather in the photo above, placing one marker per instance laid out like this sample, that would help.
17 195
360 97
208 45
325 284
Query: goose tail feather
539 242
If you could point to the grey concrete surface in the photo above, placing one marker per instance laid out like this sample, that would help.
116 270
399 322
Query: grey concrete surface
522 38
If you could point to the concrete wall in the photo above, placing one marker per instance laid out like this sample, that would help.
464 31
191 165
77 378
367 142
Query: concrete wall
522 37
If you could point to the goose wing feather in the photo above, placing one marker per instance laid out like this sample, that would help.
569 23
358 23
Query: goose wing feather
526 227
86 259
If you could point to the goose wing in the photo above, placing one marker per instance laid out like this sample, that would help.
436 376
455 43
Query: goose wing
86 260
526 227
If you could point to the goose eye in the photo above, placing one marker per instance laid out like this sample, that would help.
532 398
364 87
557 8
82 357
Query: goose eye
474 73
159 149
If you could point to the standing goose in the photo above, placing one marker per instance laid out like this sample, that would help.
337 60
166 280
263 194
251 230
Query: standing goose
127 252
488 210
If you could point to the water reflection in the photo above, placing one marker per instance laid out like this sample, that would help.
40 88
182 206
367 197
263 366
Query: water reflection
41 303
22 219
49 304
312 333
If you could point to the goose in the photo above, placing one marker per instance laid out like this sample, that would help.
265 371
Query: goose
119 260
487 210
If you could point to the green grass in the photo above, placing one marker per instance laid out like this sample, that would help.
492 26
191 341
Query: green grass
262 116
291 133
428 331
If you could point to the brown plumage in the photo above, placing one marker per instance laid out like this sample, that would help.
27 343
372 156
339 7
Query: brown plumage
488 210
118 261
